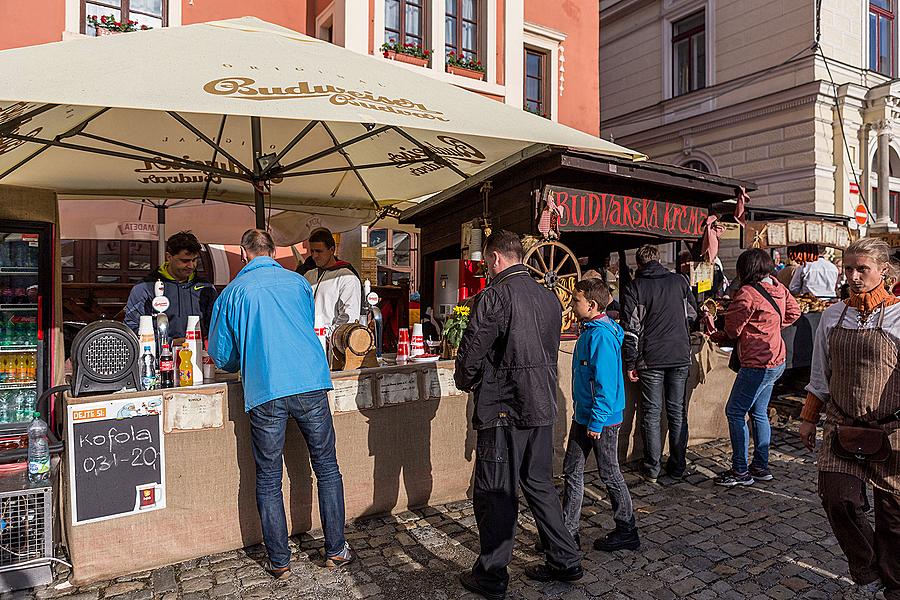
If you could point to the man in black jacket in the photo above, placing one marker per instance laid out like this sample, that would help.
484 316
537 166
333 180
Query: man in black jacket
507 357
657 308
188 294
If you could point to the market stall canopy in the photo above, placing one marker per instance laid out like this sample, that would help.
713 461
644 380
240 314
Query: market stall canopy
234 110
212 223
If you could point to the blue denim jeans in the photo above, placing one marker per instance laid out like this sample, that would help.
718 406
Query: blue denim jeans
267 425
606 450
664 387
750 395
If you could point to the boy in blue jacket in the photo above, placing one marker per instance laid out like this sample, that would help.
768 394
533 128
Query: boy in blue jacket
598 389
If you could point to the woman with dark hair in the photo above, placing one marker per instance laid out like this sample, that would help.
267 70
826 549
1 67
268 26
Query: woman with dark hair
761 308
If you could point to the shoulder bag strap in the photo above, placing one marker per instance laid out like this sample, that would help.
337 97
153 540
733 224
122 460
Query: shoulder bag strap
769 297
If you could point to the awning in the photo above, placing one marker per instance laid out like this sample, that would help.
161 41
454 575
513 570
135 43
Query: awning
246 111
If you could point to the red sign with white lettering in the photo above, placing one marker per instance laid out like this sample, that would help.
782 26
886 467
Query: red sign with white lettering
597 211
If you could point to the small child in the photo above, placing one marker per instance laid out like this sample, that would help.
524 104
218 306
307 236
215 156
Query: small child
598 389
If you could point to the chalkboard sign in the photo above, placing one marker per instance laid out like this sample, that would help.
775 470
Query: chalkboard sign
116 458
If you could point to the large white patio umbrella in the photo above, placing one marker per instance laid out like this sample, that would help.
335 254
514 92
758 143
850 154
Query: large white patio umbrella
153 219
244 111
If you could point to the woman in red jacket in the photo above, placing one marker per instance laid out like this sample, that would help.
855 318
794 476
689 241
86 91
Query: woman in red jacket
761 308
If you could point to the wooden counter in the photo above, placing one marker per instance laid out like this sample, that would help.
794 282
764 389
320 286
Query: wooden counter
403 438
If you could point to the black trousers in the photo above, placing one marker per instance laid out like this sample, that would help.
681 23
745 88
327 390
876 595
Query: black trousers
871 553
505 458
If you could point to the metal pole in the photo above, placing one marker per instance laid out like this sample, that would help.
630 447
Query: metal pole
161 222
259 199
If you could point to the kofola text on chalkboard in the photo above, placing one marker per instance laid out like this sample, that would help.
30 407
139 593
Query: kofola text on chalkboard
598 211
114 437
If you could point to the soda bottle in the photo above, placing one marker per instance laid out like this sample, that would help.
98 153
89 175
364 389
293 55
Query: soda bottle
21 403
166 367
149 380
38 450
31 367
185 368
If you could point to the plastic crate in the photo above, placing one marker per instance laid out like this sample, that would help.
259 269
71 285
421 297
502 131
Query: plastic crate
26 533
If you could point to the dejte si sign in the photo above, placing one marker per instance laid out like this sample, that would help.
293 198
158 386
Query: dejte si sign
597 211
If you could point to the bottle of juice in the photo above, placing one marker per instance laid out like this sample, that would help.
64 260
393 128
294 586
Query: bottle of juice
22 368
4 368
185 367
31 367
13 368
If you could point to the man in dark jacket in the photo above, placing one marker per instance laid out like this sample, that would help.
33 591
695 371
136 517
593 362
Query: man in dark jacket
657 308
187 293
507 357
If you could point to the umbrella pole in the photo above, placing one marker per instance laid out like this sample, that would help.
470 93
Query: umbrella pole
259 199
161 222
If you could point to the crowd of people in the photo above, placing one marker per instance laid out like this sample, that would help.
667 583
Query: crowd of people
508 360
508 354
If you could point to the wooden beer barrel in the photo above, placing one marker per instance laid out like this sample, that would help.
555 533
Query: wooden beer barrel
352 338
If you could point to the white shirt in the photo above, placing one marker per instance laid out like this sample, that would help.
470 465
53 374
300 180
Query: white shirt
820 371
817 278
338 297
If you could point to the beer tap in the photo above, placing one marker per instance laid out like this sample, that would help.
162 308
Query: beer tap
160 304
374 320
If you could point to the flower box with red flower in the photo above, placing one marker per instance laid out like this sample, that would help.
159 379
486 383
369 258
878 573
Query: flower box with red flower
408 53
463 66
108 25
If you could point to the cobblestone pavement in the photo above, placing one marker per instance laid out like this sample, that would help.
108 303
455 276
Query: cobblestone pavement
769 541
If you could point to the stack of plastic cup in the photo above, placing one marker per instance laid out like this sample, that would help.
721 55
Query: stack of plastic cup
146 334
194 339
403 346
417 342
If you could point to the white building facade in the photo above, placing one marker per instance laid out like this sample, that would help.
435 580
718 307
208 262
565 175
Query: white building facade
739 89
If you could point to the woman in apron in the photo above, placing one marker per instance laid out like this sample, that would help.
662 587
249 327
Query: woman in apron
855 377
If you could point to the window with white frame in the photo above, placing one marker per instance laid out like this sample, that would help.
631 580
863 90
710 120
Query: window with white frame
461 30
881 36
689 54
536 93
404 22
149 13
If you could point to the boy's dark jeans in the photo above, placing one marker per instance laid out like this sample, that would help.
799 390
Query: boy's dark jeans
606 449
664 387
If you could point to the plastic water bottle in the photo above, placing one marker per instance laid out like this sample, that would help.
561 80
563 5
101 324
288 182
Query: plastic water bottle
149 379
38 450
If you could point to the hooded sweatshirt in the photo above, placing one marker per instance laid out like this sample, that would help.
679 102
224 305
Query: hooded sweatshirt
752 319
598 385
338 294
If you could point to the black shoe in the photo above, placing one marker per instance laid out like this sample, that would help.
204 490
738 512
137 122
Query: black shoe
731 479
761 474
468 581
545 572
648 477
618 540
539 547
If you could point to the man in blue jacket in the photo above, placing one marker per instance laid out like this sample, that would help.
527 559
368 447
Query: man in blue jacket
262 325
598 389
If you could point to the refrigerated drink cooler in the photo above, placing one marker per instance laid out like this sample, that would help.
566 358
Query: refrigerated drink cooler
25 317
455 281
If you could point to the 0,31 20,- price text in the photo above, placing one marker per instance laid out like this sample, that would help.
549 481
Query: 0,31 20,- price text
140 457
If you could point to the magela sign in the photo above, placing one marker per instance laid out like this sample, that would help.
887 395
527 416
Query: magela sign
597 211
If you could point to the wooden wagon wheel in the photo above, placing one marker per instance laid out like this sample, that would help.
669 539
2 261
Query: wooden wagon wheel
555 267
